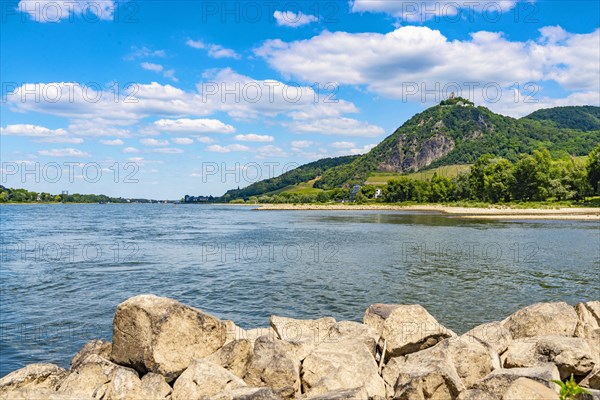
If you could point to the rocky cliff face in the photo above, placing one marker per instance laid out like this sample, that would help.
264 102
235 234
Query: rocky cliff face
412 156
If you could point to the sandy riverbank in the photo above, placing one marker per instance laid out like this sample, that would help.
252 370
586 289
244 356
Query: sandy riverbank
583 213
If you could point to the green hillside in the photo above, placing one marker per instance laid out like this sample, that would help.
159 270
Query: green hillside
290 179
459 133
583 118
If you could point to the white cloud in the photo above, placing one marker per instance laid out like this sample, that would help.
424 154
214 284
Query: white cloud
218 51
168 150
152 67
451 10
343 145
362 150
290 18
301 144
215 148
31 130
61 139
251 137
214 50
417 57
58 10
270 151
154 142
196 44
144 52
170 74
114 142
183 140
130 150
338 126
204 139
193 125
68 152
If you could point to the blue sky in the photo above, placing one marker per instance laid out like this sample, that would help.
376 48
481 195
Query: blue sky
160 99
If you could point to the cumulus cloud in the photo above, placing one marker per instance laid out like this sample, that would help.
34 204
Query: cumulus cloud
343 145
154 142
412 60
251 137
214 50
114 142
291 19
129 150
215 148
31 130
183 140
338 126
152 67
168 150
204 139
193 125
58 10
61 139
68 152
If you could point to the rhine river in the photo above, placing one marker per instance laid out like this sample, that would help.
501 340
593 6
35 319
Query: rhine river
64 268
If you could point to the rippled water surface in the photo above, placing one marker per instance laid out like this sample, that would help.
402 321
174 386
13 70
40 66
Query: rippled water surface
66 267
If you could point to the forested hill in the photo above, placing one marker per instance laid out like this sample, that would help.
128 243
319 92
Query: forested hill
583 118
457 132
301 174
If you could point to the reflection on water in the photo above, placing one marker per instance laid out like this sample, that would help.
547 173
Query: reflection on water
66 267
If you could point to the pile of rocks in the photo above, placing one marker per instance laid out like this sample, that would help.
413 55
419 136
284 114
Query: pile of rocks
162 349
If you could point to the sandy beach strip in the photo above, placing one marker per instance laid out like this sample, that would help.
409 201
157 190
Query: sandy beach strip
564 213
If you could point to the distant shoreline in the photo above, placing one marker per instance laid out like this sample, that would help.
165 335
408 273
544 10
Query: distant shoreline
583 213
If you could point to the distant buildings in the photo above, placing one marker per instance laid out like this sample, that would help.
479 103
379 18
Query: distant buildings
197 199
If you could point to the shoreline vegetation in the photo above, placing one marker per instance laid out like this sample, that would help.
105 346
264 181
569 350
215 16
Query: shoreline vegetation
163 349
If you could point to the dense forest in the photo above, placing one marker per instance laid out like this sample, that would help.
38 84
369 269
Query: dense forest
536 177
9 195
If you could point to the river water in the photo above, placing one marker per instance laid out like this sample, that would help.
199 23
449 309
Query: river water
64 268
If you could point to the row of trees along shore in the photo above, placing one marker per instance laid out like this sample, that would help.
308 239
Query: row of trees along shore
533 177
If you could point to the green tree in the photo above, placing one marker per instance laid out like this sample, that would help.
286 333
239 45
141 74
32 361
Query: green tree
532 177
441 188
593 169
498 179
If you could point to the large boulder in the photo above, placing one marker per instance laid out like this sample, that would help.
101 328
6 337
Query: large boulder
405 328
424 375
341 366
100 378
247 393
98 347
461 360
274 364
571 355
154 387
161 335
528 389
305 335
492 334
33 376
588 325
234 357
350 330
498 381
353 394
203 380
40 394
542 319
478 394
